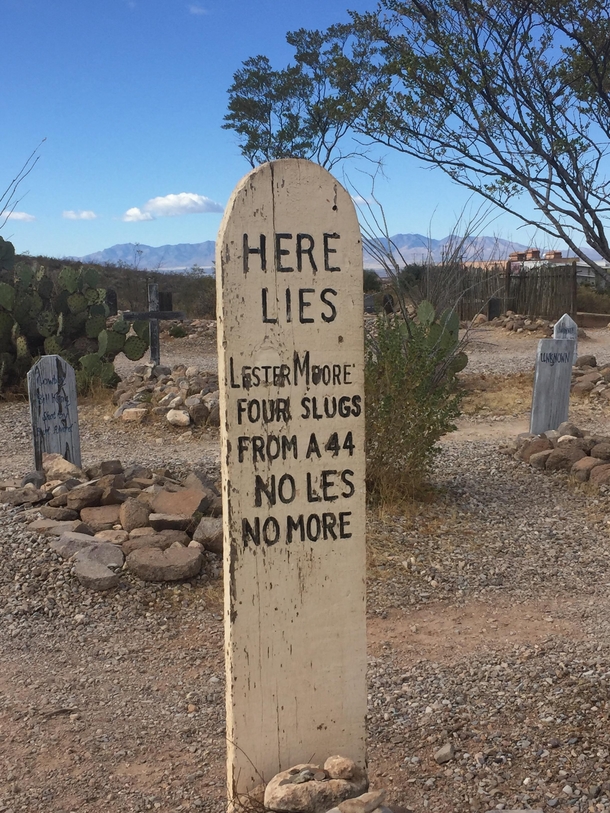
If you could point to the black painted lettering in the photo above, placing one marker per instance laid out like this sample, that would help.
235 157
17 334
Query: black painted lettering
326 483
289 305
345 409
281 252
286 489
283 409
328 524
289 445
268 489
261 251
234 385
271 531
248 532
344 525
266 318
312 496
313 447
332 444
324 296
350 487
303 303
328 250
242 447
295 525
356 405
301 367
258 449
301 250
314 526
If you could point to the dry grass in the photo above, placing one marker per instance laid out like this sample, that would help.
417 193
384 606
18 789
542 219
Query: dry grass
497 394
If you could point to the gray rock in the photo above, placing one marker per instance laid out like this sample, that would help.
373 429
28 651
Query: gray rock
209 533
152 540
84 496
283 794
104 553
94 575
169 522
445 753
70 543
154 565
36 478
133 514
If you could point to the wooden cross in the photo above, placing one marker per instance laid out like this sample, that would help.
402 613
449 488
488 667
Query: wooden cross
152 316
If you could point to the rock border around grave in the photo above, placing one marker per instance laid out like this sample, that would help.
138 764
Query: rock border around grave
110 517
584 456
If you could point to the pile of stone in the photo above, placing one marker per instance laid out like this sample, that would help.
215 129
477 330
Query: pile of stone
183 396
512 321
590 378
194 328
111 517
339 786
584 456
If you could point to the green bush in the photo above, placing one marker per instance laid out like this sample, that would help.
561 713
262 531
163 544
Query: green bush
178 331
591 301
412 400
371 281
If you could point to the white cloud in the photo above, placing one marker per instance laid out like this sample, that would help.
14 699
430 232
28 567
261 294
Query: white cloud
80 215
134 215
17 216
198 11
184 203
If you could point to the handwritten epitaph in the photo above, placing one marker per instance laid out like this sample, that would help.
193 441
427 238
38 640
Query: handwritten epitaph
552 379
290 343
53 410
566 328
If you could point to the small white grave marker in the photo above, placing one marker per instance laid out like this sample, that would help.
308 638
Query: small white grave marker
552 380
566 328
53 410
291 360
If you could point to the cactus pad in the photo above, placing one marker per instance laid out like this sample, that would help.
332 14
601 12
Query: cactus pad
91 364
108 375
94 326
7 255
47 323
7 296
52 345
134 348
45 288
121 326
77 303
110 343
24 275
23 307
90 277
142 330
68 279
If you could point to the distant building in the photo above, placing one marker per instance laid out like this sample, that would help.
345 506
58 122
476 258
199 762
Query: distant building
525 260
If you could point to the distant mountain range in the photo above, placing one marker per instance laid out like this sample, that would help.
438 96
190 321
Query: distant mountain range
414 248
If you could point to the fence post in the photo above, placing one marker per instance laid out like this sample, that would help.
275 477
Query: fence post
574 306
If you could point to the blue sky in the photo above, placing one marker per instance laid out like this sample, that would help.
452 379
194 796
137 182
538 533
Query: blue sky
130 97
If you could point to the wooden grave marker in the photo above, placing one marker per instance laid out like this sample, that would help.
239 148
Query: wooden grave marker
153 316
53 410
566 328
552 381
291 368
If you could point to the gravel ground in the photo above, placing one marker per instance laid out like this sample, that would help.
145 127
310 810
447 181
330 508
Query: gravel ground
489 628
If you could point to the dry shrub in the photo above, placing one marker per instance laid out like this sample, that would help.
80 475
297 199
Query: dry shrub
411 401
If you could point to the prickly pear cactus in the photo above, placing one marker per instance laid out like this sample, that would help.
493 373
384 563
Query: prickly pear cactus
134 348
67 318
